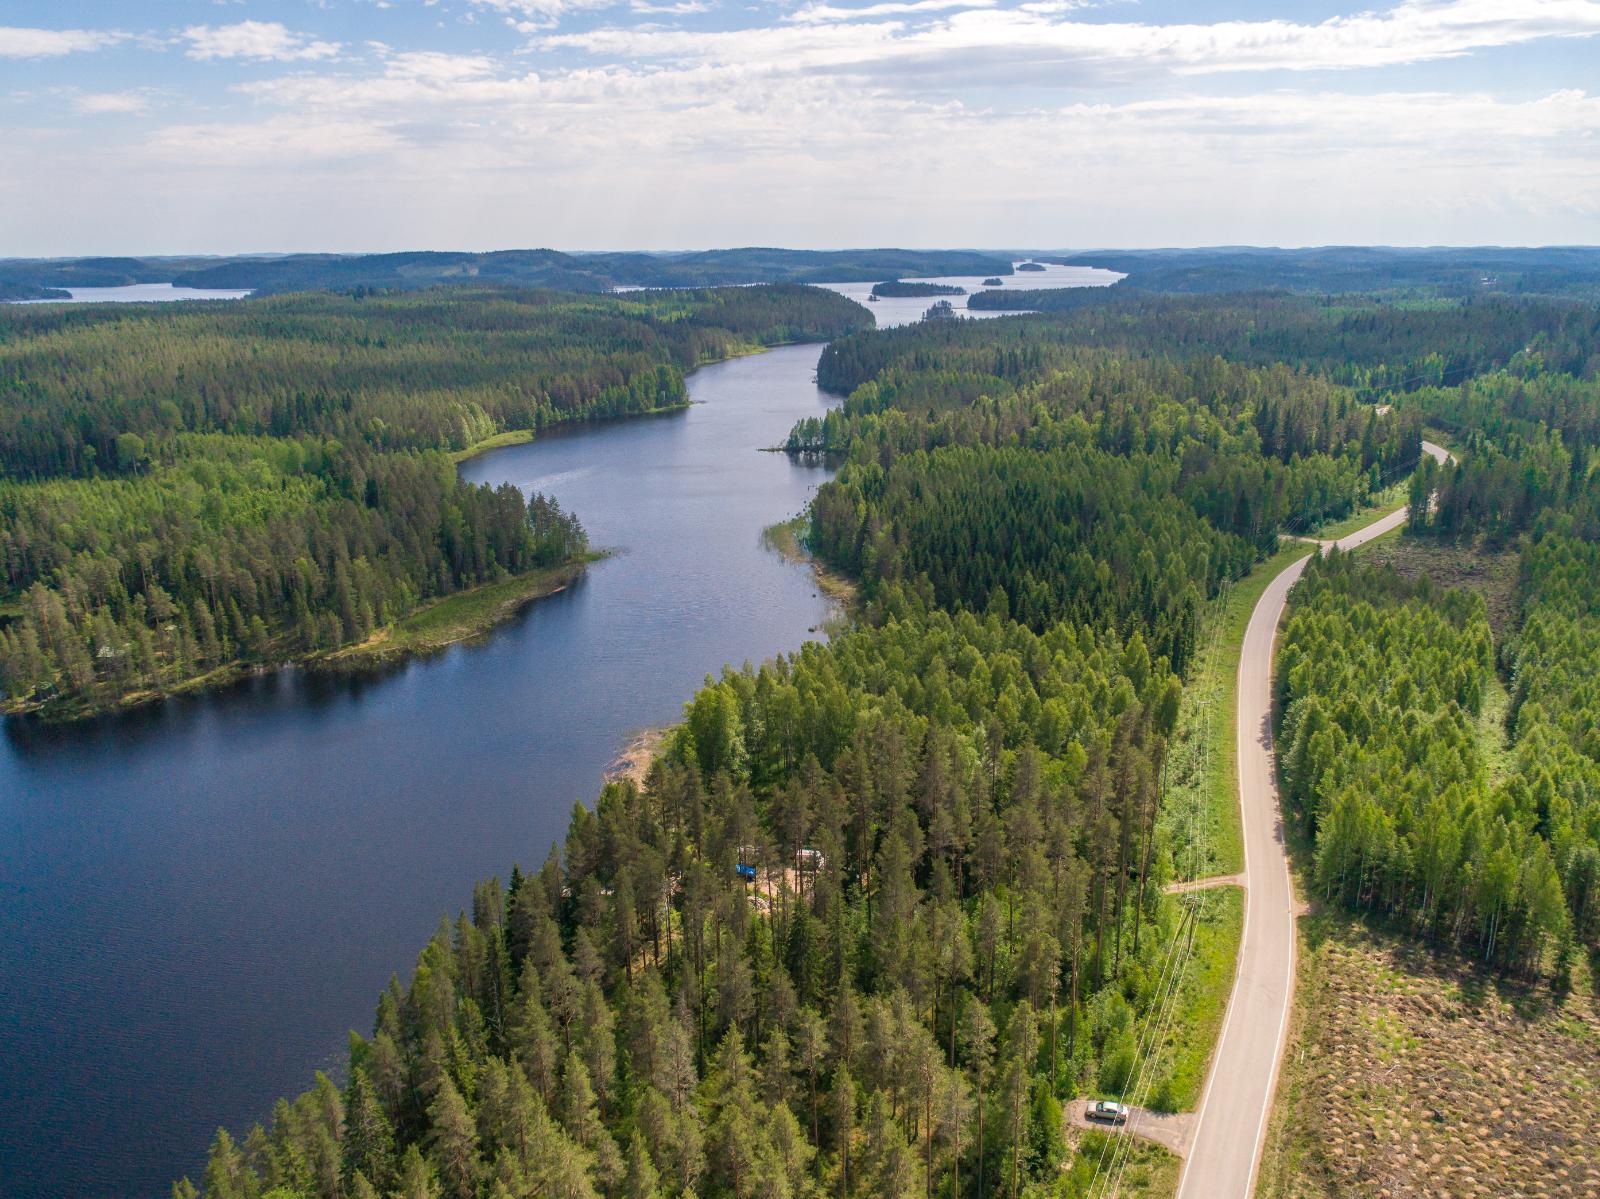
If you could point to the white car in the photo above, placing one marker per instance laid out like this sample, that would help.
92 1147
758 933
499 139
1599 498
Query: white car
1107 1112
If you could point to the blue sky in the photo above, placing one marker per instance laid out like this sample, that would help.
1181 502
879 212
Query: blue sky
218 126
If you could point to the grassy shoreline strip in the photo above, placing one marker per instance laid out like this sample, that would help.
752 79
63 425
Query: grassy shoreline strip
458 617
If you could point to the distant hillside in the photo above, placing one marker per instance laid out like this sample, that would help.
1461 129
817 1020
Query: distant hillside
767 265
522 268
20 273
1452 271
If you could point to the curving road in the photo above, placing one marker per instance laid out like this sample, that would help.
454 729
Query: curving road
1233 1111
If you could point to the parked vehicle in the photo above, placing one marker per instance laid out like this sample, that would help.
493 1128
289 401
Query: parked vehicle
1107 1112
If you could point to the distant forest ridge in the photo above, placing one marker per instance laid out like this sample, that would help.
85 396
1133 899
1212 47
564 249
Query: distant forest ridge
1434 270
597 272
1404 272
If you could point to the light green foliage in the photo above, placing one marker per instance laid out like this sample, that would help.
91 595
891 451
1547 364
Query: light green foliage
1382 682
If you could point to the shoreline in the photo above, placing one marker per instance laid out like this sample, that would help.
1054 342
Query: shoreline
511 437
461 616
455 618
637 756
446 621
785 540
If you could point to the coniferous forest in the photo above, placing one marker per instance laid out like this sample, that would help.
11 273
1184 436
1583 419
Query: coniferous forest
188 490
1485 837
882 906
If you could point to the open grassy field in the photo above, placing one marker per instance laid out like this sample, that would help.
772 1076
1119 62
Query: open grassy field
1413 1073
1184 1051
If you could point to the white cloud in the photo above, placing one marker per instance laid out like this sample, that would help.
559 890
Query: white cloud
529 16
272 145
682 8
111 103
51 43
817 13
1013 43
264 40
856 126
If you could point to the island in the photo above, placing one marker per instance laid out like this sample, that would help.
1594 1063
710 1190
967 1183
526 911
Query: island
1030 266
994 281
895 289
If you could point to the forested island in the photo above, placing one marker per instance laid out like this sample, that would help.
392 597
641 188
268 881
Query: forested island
193 492
1030 266
901 289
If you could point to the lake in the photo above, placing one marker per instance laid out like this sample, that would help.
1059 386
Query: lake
905 309
141 293
199 898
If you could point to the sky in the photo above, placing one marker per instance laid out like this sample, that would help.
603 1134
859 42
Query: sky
232 126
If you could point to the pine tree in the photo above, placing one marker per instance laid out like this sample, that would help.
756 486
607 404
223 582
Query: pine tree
453 1142
368 1144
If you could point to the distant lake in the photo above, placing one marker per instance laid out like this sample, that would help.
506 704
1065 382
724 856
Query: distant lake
142 293
905 309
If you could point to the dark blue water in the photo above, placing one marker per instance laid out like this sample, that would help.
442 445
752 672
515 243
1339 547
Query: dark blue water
197 900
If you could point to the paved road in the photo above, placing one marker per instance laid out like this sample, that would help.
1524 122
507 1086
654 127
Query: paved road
1232 1119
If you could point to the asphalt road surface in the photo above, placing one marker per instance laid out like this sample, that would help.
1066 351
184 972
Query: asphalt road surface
1232 1119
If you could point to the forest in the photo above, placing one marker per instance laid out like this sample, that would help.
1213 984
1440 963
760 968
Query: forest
875 906
882 906
1483 833
1370 343
1450 271
407 270
990 457
190 490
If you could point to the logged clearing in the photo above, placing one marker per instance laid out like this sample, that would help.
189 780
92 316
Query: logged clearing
1410 1073
1472 566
